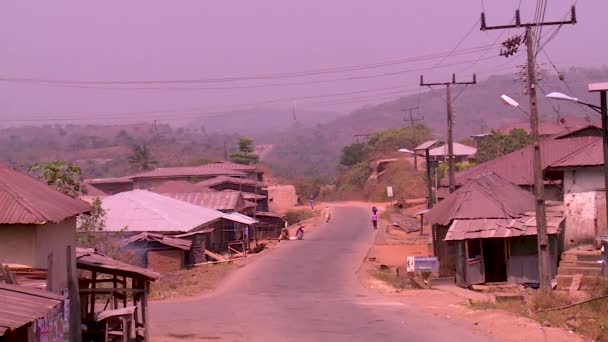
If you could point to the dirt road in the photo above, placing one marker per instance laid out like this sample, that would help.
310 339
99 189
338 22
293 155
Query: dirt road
305 291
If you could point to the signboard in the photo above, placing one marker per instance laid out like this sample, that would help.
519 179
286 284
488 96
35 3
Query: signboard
422 264
389 191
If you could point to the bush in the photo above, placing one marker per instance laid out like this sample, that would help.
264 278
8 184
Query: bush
295 216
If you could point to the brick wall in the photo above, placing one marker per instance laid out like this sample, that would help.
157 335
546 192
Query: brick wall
166 261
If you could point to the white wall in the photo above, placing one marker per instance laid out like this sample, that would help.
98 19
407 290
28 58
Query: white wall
580 191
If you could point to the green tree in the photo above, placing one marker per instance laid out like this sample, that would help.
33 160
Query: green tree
245 154
89 224
353 154
497 144
142 158
391 140
63 176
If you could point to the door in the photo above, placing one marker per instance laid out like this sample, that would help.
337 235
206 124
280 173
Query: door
475 273
600 207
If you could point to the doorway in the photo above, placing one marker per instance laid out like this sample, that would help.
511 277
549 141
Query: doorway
494 258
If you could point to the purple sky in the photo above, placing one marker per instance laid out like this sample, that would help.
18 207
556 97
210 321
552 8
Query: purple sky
198 39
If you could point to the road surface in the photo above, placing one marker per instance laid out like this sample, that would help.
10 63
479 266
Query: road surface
305 291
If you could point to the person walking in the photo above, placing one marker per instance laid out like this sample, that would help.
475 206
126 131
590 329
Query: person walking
312 202
374 210
327 214
375 220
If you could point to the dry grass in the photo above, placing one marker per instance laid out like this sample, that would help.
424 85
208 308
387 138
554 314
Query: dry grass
589 319
187 283
389 277
298 215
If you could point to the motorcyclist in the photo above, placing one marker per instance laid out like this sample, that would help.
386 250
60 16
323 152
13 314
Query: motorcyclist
300 232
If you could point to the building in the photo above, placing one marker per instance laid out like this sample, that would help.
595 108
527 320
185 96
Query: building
462 153
162 253
420 150
111 186
193 174
252 171
37 225
179 186
581 174
224 201
247 186
486 233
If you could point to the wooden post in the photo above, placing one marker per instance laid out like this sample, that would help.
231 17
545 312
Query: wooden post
93 299
75 330
144 306
49 273
114 299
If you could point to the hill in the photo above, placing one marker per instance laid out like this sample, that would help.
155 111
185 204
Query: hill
315 151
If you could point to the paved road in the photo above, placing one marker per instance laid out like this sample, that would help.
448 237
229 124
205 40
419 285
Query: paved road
305 291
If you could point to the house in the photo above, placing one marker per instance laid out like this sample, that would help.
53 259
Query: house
261 202
248 186
252 171
581 174
111 186
27 314
420 150
154 178
179 186
159 252
462 153
516 167
224 201
37 226
270 224
486 232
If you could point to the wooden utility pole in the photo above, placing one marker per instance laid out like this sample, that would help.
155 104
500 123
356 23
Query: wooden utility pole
544 255
448 86
413 120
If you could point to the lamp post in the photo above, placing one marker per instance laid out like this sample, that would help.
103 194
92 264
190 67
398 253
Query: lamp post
602 88
544 257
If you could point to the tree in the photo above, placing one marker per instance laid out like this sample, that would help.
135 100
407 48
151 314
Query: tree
353 154
245 154
63 176
497 144
89 224
142 158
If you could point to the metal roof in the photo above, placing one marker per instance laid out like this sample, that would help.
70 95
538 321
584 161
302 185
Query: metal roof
247 195
589 155
462 229
426 144
89 260
226 165
188 171
458 149
160 238
485 197
180 186
240 218
269 214
218 200
516 167
25 200
126 179
21 305
142 210
598 86
224 179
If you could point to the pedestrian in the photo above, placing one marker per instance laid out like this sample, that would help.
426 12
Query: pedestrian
312 202
246 236
375 221
327 214
374 210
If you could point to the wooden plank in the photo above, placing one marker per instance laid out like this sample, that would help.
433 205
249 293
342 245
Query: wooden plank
109 290
100 316
49 273
93 299
145 316
214 255
75 327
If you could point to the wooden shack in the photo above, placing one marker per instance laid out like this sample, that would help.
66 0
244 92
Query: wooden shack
159 252
113 298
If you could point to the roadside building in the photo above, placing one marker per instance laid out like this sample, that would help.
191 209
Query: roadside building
252 171
248 187
224 201
420 150
161 253
152 179
462 153
112 185
37 225
486 233
179 186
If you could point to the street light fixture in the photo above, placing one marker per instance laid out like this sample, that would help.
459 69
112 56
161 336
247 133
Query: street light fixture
564 97
510 102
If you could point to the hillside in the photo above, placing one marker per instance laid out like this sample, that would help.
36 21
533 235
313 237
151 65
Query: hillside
314 151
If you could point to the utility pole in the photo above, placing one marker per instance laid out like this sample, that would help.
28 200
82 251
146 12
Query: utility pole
448 86
413 120
544 256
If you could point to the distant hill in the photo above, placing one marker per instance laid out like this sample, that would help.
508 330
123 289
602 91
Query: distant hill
314 151
266 120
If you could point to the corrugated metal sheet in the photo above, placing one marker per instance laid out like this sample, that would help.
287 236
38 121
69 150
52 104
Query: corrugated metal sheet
25 200
180 186
590 155
188 171
426 145
85 259
516 167
109 180
240 218
458 149
487 196
22 305
226 165
248 195
218 200
224 179
145 211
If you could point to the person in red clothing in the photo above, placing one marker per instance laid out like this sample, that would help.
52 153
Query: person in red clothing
375 220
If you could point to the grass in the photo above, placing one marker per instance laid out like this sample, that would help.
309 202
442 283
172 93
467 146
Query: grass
589 319
297 215
186 283
390 277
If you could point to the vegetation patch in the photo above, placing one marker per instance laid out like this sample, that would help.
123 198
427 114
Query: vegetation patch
389 277
298 215
188 283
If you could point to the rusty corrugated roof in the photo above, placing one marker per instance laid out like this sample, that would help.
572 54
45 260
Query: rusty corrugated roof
180 186
160 238
516 167
226 165
25 200
21 305
126 179
223 179
218 200
590 155
485 197
248 195
188 171
90 260
427 144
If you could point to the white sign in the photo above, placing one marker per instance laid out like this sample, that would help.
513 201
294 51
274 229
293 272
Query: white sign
389 191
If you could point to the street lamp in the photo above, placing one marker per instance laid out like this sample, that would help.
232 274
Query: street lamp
564 97
509 101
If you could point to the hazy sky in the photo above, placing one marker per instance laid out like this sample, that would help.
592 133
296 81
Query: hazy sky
202 39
